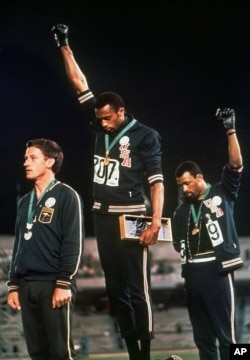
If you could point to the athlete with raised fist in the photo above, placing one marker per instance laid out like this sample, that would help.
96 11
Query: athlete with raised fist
204 233
125 152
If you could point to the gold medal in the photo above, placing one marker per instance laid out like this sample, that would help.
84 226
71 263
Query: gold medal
106 161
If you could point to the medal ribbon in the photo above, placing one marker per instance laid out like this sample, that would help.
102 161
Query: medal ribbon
197 215
31 210
108 146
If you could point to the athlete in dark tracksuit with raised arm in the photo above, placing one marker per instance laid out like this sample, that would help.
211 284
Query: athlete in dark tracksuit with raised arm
125 152
204 233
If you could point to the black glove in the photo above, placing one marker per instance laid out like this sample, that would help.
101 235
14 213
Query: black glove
60 32
227 117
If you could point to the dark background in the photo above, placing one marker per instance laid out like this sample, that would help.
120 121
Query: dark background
174 63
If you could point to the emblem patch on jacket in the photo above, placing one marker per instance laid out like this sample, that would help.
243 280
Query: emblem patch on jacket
124 151
212 204
46 215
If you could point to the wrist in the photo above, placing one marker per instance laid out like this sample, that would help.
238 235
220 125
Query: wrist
156 224
231 132
64 42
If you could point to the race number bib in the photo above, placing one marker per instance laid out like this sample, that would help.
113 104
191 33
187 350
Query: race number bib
183 252
214 232
106 174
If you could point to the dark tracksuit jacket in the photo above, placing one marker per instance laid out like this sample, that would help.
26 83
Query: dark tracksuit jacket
54 251
47 260
224 193
209 273
118 189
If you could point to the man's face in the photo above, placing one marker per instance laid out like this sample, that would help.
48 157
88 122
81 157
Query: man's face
190 185
36 164
109 119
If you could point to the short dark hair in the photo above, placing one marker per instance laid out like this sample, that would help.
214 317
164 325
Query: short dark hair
190 166
50 149
109 98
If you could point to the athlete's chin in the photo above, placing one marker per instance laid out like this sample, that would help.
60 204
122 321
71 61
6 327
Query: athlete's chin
29 176
190 198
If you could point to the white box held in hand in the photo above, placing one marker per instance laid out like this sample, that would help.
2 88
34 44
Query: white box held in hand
131 227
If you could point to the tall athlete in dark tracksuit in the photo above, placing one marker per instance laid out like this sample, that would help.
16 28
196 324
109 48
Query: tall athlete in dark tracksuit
204 233
125 152
46 255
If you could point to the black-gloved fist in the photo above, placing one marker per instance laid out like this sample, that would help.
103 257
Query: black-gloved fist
227 117
60 32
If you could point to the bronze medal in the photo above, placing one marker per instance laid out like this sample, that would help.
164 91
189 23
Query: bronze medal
195 230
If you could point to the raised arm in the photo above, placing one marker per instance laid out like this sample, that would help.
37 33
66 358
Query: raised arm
227 117
75 75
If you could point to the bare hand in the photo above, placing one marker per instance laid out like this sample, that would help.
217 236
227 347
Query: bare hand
61 297
150 235
13 300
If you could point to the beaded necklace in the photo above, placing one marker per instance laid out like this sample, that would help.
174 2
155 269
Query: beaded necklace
197 218
197 215
198 233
